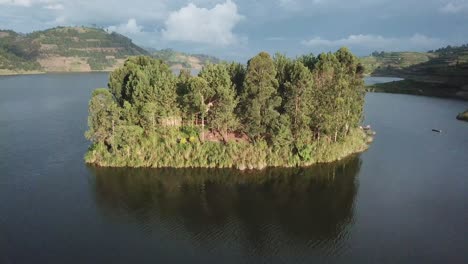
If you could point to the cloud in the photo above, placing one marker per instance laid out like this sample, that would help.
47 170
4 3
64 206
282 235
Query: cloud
202 25
376 42
54 7
455 7
26 3
131 27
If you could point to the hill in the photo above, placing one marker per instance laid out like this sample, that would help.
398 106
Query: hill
443 72
180 60
381 61
78 49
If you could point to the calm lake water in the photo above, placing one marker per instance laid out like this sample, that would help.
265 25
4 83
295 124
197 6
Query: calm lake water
405 200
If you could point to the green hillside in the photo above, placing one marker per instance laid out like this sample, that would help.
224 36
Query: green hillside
17 52
178 60
443 72
393 60
79 49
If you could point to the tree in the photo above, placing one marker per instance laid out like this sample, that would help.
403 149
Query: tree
309 60
237 73
196 100
145 80
283 67
103 117
221 100
299 98
260 98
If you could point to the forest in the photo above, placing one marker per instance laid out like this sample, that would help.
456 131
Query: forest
273 112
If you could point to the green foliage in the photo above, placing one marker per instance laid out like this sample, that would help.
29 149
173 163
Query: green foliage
103 117
18 52
222 102
259 99
144 80
274 112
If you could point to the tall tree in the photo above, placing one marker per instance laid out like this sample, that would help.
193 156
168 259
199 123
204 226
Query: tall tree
145 80
103 117
283 67
237 73
197 100
259 98
222 102
299 98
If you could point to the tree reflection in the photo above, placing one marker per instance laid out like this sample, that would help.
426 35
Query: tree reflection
301 206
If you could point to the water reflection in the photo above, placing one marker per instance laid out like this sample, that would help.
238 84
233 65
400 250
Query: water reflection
263 211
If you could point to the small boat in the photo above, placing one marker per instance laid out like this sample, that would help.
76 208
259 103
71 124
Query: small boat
437 130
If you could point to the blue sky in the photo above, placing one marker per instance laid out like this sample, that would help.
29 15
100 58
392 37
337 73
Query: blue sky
238 29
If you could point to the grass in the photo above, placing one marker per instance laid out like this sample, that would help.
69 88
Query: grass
169 151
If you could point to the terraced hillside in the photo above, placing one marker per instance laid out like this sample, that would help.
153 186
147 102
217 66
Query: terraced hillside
79 49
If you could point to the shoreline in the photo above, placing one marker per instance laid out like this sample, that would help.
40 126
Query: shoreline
47 72
420 88
353 144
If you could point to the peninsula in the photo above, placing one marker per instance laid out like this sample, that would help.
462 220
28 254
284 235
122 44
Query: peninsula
272 112
441 73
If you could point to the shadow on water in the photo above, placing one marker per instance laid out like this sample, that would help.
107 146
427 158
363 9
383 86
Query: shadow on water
311 207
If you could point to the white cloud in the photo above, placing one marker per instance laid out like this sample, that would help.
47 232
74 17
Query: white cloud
455 7
202 25
26 3
54 7
131 27
376 42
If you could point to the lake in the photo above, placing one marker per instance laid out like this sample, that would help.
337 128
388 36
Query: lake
405 200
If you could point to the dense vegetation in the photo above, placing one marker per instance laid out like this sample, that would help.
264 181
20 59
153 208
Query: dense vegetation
18 52
272 112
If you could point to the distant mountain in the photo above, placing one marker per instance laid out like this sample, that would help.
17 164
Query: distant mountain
65 49
445 65
445 70
180 60
379 61
79 49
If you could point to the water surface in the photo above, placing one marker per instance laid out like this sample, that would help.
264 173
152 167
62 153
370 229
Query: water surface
402 201
375 80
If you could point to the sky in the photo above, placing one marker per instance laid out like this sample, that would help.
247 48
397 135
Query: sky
238 29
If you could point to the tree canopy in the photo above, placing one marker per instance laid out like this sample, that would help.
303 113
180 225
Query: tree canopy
283 106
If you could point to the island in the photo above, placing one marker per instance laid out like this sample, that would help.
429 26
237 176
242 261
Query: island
272 112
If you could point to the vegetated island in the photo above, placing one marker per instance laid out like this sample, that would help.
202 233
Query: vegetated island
440 73
274 112
80 49
463 116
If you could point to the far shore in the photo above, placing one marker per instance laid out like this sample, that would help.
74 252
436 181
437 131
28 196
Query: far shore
14 73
